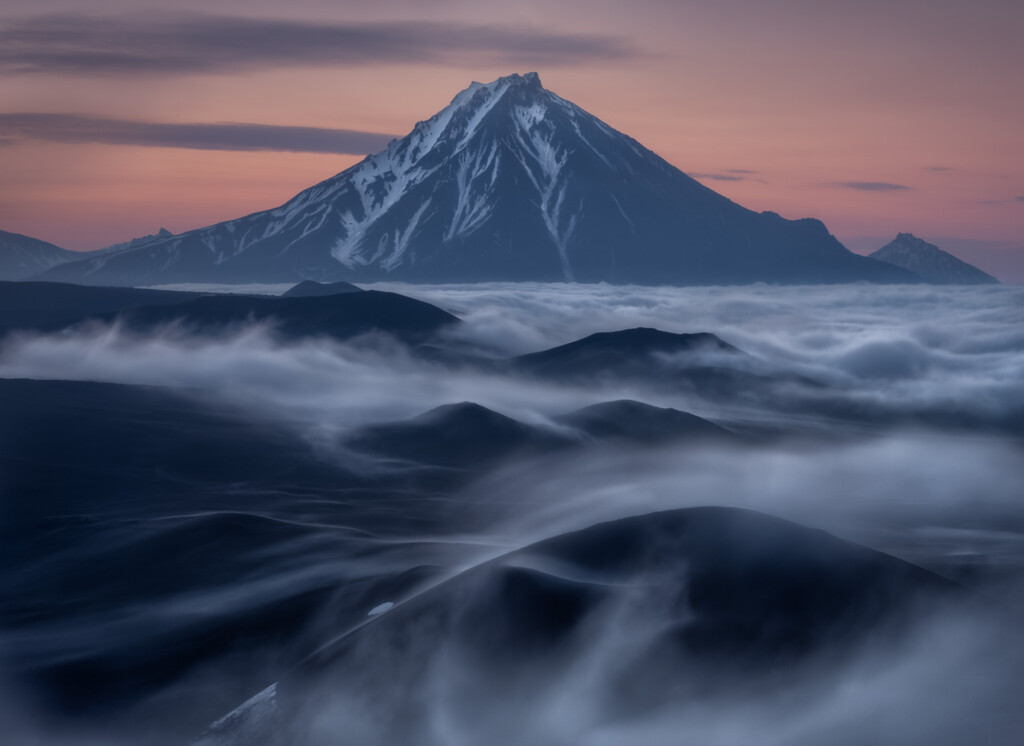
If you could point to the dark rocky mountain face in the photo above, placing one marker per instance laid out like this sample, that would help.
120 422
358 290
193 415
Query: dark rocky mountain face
22 256
930 263
509 182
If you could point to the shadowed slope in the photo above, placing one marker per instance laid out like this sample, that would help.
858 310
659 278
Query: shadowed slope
676 606
50 306
340 316
465 436
636 422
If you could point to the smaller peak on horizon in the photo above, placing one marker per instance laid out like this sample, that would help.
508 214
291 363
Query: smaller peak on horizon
909 239
929 262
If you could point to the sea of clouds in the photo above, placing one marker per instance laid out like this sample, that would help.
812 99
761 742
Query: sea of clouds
945 497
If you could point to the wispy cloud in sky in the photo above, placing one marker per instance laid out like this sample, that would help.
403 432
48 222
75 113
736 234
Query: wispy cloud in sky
717 177
159 44
80 129
873 186
728 174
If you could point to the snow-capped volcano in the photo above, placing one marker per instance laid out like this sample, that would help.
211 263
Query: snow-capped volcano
508 182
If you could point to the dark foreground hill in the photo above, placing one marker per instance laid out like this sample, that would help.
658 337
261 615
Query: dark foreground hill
49 307
701 362
682 605
341 315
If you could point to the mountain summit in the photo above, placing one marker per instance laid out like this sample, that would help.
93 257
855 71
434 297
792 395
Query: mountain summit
930 263
508 182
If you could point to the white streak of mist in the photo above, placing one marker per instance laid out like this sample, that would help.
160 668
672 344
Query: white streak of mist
926 497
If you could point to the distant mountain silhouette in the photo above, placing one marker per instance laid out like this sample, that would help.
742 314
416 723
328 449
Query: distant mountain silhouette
23 256
313 289
930 262
134 243
509 182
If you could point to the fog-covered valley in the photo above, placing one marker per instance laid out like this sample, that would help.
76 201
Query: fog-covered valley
197 508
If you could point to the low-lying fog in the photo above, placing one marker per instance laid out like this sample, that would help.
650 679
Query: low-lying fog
943 496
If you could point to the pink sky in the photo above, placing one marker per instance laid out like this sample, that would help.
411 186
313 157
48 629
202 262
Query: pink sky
876 117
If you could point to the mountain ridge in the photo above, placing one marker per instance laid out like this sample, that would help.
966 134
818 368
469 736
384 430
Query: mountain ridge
930 262
509 182
22 256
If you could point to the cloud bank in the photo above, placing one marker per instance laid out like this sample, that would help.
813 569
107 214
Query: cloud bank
873 186
146 44
947 500
82 129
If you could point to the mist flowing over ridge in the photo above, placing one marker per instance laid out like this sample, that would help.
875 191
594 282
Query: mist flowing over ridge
509 182
538 514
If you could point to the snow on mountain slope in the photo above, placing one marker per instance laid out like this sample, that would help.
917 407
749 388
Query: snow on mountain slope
23 256
509 182
930 262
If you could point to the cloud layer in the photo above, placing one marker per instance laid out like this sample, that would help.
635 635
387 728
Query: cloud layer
945 500
80 129
162 44
873 186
